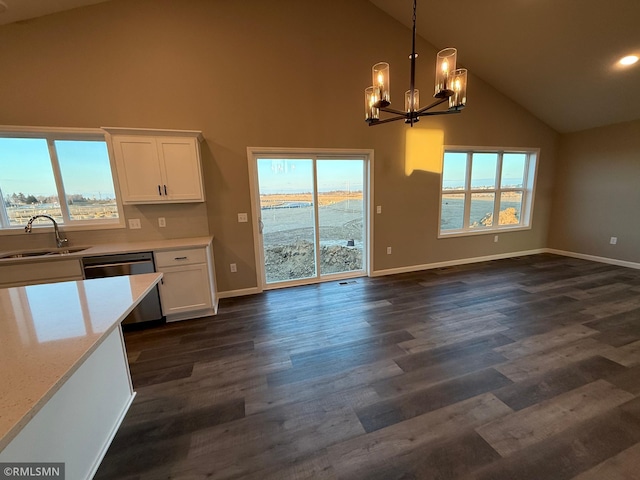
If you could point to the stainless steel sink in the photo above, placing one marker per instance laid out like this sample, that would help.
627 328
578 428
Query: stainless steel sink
42 253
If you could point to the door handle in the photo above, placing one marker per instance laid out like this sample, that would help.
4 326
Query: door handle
261 225
159 191
165 190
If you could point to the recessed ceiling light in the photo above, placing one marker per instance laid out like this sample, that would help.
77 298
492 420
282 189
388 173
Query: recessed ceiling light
628 60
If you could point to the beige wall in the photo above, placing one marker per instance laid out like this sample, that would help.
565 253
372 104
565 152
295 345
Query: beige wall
278 73
597 194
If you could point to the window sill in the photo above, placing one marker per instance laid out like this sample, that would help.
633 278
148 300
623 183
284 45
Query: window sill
486 231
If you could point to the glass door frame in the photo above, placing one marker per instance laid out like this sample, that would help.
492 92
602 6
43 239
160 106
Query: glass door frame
366 155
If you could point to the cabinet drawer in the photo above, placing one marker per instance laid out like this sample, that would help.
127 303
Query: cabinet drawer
173 258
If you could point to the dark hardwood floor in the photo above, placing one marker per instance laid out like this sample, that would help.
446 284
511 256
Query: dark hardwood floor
525 368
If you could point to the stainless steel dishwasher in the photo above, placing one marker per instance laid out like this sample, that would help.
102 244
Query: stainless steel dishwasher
128 264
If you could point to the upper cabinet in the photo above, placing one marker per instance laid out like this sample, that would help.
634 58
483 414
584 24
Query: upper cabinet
158 166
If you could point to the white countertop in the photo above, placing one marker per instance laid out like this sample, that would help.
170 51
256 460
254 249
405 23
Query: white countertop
47 331
114 248
146 246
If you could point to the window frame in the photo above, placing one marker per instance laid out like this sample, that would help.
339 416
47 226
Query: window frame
528 191
52 134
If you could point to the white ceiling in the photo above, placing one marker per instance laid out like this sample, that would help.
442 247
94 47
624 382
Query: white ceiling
556 58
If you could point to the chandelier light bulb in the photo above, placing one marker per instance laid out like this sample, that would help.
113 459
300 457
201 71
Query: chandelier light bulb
371 113
381 81
458 99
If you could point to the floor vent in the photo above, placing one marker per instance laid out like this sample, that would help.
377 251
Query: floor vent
348 282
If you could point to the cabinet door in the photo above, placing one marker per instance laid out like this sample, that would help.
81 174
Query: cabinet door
138 169
180 163
185 288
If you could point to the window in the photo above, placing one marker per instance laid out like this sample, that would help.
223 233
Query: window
486 190
39 168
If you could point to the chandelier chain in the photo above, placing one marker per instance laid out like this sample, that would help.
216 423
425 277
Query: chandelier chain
414 11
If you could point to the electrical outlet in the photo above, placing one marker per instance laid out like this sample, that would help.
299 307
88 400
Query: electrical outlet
379 209
243 218
134 223
495 239
388 250
162 222
233 267
613 240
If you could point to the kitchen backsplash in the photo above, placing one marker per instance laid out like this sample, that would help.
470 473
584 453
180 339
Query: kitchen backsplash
182 221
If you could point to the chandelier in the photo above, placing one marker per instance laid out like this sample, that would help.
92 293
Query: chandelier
451 87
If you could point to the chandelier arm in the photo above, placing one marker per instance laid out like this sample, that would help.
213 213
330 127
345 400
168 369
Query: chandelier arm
387 120
434 104
441 112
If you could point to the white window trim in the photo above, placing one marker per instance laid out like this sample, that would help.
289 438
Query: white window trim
66 133
529 191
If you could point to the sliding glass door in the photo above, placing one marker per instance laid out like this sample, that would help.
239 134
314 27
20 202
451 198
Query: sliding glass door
340 215
288 219
311 217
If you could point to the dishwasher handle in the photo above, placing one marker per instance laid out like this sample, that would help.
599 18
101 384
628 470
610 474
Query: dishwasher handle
116 264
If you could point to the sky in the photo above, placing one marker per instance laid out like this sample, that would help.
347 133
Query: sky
296 175
483 169
25 167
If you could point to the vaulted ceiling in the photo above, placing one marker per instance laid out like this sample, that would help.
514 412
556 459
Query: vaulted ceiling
556 58
17 10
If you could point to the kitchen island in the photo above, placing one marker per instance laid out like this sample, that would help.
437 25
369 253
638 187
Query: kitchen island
64 376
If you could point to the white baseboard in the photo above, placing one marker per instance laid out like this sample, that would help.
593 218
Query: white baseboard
239 293
594 258
177 317
459 261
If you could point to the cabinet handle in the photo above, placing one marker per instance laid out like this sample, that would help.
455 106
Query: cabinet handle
159 191
180 258
165 190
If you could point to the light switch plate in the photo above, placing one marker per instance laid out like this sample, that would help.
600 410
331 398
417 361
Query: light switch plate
243 218
134 223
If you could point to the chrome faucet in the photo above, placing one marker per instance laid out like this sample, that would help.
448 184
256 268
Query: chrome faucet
61 242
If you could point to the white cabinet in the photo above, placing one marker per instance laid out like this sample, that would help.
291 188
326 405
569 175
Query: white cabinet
187 288
158 166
